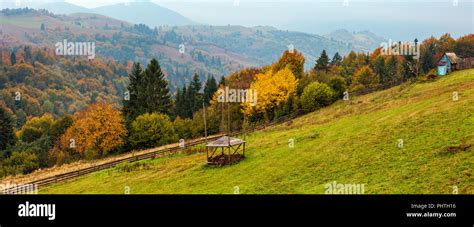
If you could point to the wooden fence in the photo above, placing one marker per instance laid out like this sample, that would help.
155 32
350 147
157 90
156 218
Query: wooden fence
23 188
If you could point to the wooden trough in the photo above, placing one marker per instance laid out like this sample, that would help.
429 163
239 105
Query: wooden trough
232 150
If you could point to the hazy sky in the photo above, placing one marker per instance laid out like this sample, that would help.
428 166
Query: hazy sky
394 19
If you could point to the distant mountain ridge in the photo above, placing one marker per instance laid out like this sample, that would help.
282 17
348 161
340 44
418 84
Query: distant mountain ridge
364 40
147 13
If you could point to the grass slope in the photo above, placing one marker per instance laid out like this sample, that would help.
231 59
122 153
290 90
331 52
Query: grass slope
349 143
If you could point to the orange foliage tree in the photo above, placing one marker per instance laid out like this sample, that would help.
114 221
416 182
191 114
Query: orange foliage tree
98 129
365 78
294 60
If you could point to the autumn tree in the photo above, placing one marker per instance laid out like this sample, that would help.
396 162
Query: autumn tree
294 60
445 43
272 89
365 78
464 46
96 131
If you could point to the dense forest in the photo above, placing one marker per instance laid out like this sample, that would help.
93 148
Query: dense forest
207 50
56 109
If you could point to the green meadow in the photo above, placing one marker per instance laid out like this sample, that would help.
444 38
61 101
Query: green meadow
393 141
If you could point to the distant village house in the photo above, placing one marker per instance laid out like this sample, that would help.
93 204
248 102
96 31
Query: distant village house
451 62
447 64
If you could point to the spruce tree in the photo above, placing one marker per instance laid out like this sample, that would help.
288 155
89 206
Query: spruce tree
195 97
336 59
427 58
7 137
381 70
391 68
222 81
322 62
181 104
178 103
131 104
157 97
13 58
209 89
186 111
148 92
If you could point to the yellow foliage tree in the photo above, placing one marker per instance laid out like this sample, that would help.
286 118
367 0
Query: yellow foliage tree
272 90
97 129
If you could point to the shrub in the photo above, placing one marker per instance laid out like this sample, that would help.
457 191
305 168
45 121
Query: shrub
38 147
151 130
183 128
20 163
60 126
338 85
35 128
132 166
431 75
315 96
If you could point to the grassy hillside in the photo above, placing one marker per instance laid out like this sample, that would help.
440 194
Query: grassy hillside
348 142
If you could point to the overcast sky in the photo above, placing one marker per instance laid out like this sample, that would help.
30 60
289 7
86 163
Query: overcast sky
394 19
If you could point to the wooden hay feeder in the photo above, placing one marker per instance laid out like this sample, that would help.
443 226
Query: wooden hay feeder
232 151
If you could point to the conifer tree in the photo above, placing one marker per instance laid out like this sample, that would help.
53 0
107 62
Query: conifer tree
322 62
336 59
13 58
7 137
210 89
148 92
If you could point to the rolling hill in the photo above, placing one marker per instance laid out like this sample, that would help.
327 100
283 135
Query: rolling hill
63 8
359 40
147 13
216 50
350 142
